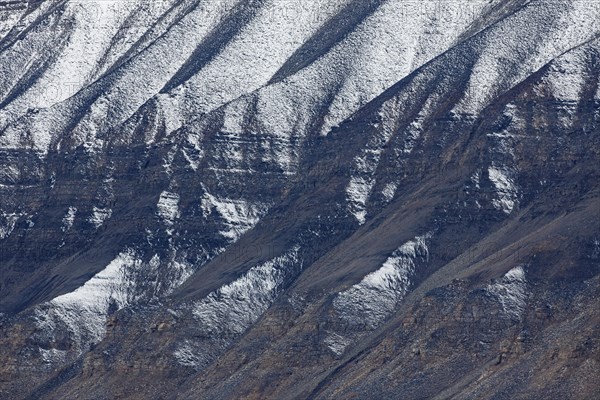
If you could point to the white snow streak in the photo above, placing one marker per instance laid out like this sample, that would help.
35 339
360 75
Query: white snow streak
365 166
358 192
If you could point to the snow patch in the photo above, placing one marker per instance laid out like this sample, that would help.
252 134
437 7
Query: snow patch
187 356
7 223
180 271
369 303
389 191
511 292
505 188
358 192
237 305
230 310
337 343
99 216
238 216
168 207
53 356
82 313
69 219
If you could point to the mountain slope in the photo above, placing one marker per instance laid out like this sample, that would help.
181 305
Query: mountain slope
317 200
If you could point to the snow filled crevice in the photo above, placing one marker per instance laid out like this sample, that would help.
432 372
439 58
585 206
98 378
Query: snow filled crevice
369 303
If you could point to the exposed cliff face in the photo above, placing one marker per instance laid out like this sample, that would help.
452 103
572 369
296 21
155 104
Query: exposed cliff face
315 200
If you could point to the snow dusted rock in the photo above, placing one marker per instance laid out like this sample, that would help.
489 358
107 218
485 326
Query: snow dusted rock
236 306
168 207
8 224
505 188
99 215
195 88
238 216
228 312
76 321
69 218
83 312
511 292
9 15
374 299
368 304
